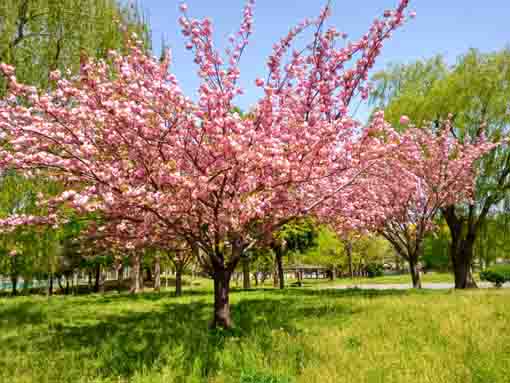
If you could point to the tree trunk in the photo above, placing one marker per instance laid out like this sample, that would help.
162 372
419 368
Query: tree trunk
221 299
59 281
149 274
333 273
120 271
50 285
256 278
97 278
461 262
135 274
14 281
246 273
102 279
157 274
275 274
279 265
178 281
415 272
463 236
348 250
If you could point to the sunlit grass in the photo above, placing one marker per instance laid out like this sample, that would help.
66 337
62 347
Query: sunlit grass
298 335
431 277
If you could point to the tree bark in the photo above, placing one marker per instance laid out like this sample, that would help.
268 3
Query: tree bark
97 278
279 266
246 273
275 274
221 299
120 270
415 272
102 279
463 235
348 250
333 273
14 282
135 274
461 263
50 285
178 281
157 274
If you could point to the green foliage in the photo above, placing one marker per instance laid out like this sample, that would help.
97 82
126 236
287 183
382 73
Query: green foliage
436 247
38 36
298 235
374 270
497 274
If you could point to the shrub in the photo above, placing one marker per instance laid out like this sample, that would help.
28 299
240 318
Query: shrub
497 274
374 270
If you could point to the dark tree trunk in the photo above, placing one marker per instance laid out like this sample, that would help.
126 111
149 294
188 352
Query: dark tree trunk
89 283
120 270
97 281
246 272
67 285
463 235
348 250
149 274
333 273
256 278
279 265
221 299
415 272
461 263
50 285
157 274
59 281
178 281
275 273
135 274
14 282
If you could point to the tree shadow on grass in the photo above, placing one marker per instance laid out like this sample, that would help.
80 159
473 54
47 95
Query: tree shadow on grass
176 335
21 314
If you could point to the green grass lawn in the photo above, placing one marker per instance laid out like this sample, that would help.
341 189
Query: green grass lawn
298 335
431 277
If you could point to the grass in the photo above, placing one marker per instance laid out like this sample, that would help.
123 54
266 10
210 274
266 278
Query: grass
292 336
431 277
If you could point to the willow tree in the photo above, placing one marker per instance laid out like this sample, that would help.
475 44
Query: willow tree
38 36
476 92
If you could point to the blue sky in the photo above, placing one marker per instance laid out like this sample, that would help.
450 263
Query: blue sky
449 27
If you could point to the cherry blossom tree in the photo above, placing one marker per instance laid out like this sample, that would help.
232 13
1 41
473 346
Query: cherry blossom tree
126 141
430 171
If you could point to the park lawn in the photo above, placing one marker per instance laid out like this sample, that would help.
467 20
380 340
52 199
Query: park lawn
292 336
431 277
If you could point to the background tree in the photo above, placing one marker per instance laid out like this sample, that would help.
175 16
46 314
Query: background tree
475 91
38 36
